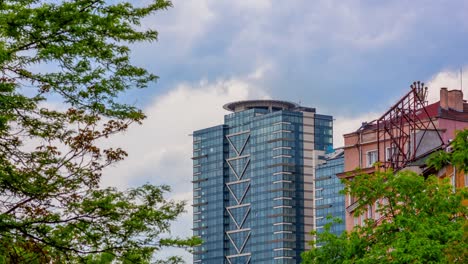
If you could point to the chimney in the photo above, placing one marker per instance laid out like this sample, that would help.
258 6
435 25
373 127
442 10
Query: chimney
444 98
455 100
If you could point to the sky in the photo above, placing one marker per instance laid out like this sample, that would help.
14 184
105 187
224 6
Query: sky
350 59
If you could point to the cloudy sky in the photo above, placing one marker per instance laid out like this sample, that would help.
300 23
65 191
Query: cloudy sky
350 59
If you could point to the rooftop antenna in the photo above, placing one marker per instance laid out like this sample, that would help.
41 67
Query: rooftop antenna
461 78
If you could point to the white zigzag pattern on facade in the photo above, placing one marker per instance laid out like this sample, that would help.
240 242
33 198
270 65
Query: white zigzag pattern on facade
239 255
238 152
238 200
239 176
239 225
239 250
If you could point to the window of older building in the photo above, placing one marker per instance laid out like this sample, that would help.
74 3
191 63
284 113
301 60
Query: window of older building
371 158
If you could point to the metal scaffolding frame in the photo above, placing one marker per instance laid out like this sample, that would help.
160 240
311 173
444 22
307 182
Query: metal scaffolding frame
396 129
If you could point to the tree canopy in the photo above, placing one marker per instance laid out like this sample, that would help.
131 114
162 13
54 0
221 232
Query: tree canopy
422 220
64 66
458 157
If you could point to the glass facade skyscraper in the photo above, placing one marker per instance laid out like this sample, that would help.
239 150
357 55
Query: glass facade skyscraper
329 202
253 182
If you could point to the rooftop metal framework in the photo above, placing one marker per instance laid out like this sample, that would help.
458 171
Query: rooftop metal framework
401 130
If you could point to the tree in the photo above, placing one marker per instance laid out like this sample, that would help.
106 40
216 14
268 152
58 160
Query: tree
422 220
52 209
458 157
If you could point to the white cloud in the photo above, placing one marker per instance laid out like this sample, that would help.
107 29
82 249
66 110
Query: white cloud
259 73
449 79
370 27
273 29
182 25
257 5
347 124
160 149
290 27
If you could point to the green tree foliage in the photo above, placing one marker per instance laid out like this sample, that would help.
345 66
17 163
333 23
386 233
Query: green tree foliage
52 209
422 220
458 157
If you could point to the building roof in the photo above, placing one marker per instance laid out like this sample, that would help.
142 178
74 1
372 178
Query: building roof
338 153
455 115
249 104
433 110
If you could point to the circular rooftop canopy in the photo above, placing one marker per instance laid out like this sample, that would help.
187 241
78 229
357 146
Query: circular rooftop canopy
273 105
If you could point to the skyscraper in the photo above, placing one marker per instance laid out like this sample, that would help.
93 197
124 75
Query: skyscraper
329 202
253 182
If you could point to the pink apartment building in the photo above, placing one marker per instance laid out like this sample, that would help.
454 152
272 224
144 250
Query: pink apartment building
404 135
